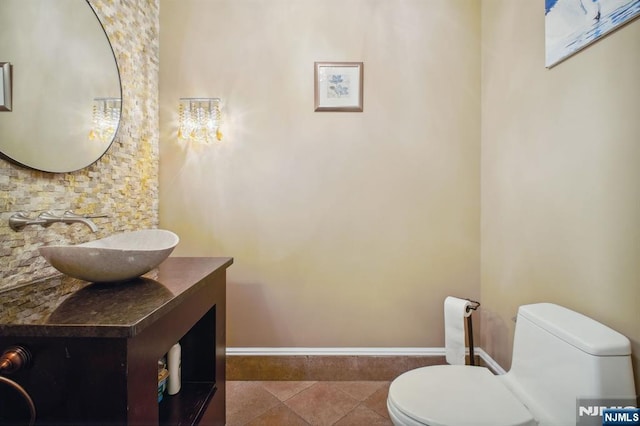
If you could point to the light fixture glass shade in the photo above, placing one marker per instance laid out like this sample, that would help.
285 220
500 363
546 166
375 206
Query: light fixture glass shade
200 119
106 116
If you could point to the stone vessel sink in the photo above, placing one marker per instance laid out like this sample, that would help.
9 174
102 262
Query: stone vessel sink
116 258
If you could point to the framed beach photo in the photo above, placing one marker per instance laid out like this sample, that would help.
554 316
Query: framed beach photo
5 86
338 86
572 25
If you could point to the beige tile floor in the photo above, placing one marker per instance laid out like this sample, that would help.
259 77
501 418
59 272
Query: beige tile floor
284 403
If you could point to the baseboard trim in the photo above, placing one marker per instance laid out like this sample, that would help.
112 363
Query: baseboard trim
410 351
291 351
491 363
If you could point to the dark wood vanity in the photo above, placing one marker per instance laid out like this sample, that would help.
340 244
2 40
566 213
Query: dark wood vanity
96 346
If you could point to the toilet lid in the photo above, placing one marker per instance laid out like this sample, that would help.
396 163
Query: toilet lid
447 395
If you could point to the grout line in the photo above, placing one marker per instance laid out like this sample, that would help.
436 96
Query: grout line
313 382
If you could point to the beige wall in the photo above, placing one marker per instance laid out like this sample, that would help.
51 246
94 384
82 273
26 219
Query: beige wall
347 229
560 176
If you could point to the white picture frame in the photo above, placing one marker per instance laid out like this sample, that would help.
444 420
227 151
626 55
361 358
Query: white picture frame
338 86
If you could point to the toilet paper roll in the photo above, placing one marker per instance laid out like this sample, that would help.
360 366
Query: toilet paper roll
455 311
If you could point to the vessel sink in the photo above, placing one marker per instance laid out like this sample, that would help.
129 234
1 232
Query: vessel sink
116 258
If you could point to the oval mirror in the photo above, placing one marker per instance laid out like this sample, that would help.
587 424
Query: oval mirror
65 86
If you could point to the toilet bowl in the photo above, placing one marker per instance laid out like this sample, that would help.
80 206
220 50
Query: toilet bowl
454 395
558 356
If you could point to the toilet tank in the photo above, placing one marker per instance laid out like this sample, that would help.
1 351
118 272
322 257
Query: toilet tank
559 356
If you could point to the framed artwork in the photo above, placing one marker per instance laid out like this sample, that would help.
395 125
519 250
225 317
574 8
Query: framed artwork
5 86
338 86
571 25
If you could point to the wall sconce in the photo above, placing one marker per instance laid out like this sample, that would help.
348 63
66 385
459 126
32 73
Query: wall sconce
106 117
200 119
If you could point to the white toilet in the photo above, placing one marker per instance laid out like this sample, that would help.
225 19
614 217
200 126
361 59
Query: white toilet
558 356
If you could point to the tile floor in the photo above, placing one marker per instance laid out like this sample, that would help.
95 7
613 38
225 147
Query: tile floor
323 403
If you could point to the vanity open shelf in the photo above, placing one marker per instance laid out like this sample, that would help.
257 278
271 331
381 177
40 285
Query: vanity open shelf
200 383
96 346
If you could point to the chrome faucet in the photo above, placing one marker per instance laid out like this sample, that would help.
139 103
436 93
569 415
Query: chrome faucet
67 217
20 220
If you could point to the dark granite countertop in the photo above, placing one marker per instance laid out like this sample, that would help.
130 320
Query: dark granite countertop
62 306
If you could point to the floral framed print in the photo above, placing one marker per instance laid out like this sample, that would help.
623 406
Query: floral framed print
338 86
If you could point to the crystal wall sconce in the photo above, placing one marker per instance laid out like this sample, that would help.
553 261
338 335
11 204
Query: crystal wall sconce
200 119
106 117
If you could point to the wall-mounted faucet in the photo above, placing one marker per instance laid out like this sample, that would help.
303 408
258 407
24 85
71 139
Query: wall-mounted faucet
19 220
68 217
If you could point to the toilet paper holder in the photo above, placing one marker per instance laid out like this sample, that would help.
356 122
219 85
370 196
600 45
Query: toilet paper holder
476 305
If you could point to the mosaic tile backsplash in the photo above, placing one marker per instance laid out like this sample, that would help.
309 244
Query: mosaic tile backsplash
122 184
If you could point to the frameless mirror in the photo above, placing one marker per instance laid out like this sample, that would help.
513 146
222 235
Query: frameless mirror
65 85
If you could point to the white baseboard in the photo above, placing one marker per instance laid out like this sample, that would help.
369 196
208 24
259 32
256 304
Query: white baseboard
335 351
264 351
491 363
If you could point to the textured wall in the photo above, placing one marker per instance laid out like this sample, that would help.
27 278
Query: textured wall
560 176
122 184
